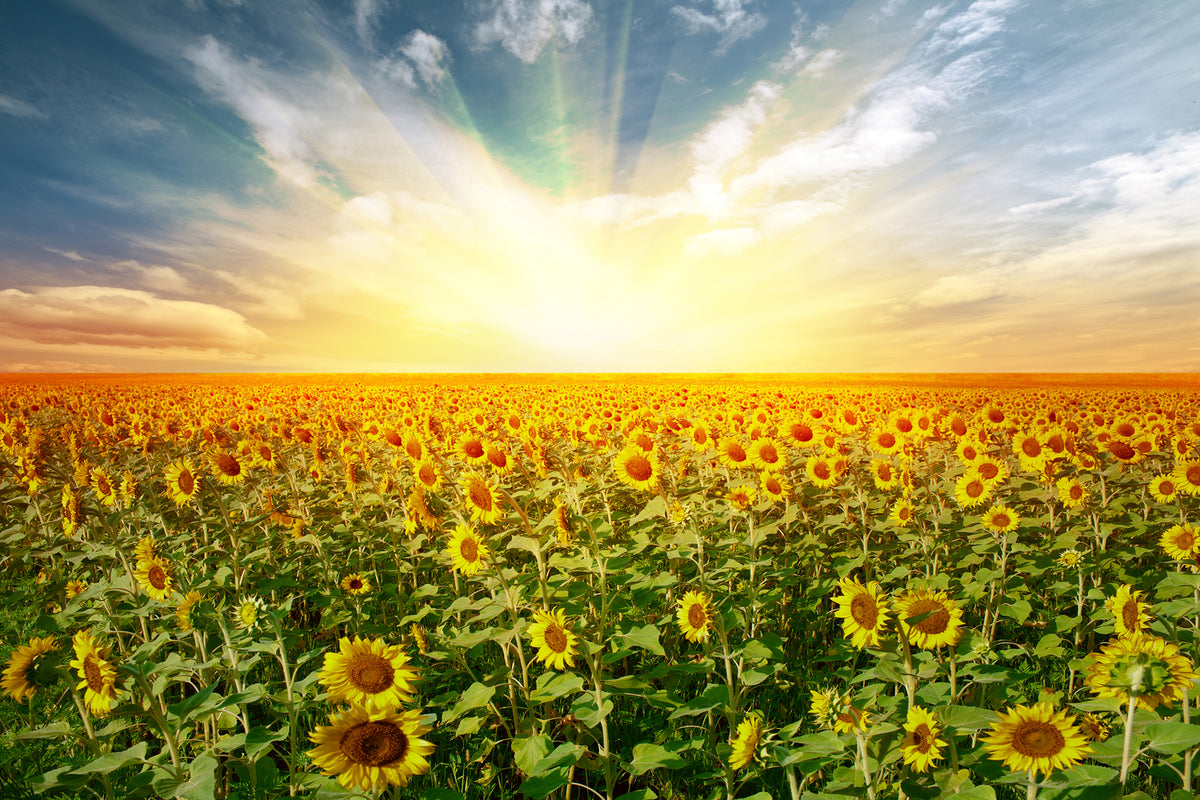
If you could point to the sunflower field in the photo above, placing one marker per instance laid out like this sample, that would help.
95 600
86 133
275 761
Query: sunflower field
253 587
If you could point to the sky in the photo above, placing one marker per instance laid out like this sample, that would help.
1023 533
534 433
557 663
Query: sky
599 186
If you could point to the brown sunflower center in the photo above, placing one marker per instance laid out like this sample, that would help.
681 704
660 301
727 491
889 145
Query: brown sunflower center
735 452
413 448
887 439
469 549
1031 448
922 738
427 474
821 471
93 674
1001 520
639 468
374 743
905 514
480 495
801 432
356 584
1184 539
904 425
958 427
1166 488
1125 429
1121 450
187 481
974 489
1036 739
885 472
995 416
938 619
1129 614
371 673
773 486
988 470
1076 492
228 465
1193 475
697 617
498 458
473 448
864 611
556 638
768 454
157 577
102 485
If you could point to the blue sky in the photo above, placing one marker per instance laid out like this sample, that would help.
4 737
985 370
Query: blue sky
514 185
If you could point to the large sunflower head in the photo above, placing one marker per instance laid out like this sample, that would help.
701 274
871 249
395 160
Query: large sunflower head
371 748
1071 493
1164 489
937 619
467 549
181 480
765 453
556 643
369 673
98 676
227 467
154 576
637 468
1180 542
732 453
356 584
1000 519
745 743
481 499
922 744
1146 667
695 616
863 611
821 471
1130 614
29 668
1036 739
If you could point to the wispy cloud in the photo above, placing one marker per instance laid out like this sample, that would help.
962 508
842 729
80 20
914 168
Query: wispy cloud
730 18
367 14
418 55
18 108
524 27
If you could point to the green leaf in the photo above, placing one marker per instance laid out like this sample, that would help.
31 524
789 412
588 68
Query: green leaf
113 761
1017 609
976 793
652 756
1172 737
202 780
255 742
529 750
48 732
555 684
584 708
196 704
441 793
715 695
476 696
645 637
468 725
965 718
640 794
1048 645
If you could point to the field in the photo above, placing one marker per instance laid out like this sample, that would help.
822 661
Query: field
599 586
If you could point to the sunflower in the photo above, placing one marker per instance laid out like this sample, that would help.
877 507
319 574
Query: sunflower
71 512
1036 739
732 453
414 447
563 523
800 432
467 550
185 612
837 711
637 468
105 489
886 476
741 497
75 587
902 514
1130 614
1180 542
1071 493
886 440
821 471
419 638
941 622
695 616
371 748
1148 667
745 743
481 498
99 676
226 467
154 576
22 676
355 584
992 471
922 745
248 611
765 453
145 548
699 438
471 449
1163 488
368 673
863 611
971 490
499 459
1094 728
1000 519
181 481
428 475
774 487
1068 559
1031 451
553 639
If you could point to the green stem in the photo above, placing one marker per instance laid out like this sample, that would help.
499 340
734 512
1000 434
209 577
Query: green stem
1127 744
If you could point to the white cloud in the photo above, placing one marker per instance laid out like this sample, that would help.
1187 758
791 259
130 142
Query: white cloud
269 301
523 27
797 53
821 63
428 54
888 10
954 289
1033 209
18 108
99 315
366 18
70 255
982 20
729 18
724 140
276 121
154 276
723 242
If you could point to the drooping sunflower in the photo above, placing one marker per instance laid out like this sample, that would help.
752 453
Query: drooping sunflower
355 584
637 468
1000 519
741 497
885 474
181 481
21 678
1148 667
1180 542
500 459
154 576
1036 739
368 673
481 498
185 612
467 550
145 548
1164 489
1130 614
98 675
745 743
695 616
227 467
556 643
942 618
371 748
72 513
863 611
1095 729
922 744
